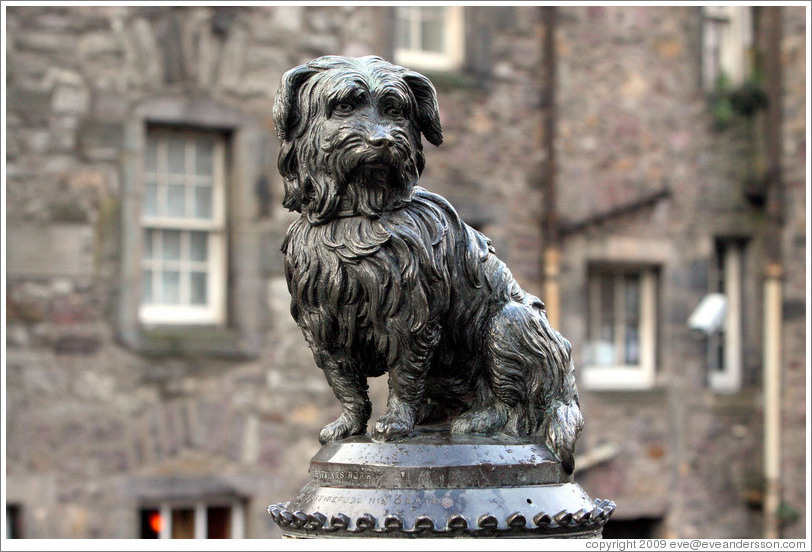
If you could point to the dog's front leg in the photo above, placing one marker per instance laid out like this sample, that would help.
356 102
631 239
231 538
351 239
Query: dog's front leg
350 387
407 388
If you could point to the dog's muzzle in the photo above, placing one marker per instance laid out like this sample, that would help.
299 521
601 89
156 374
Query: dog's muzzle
380 139
379 150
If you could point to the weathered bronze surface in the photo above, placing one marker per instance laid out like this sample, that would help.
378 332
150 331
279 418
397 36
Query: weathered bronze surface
386 278
440 484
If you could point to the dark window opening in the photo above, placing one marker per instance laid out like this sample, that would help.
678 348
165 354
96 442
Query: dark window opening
151 523
219 522
638 528
183 523
13 521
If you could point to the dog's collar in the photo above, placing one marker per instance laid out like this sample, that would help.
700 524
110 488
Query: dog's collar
348 213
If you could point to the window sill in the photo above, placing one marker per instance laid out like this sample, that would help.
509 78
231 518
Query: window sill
724 383
743 401
194 341
456 79
616 379
652 397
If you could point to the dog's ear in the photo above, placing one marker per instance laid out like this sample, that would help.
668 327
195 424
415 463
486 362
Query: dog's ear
428 112
286 114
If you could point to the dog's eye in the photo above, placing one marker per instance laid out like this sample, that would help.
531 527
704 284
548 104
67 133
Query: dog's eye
343 108
394 112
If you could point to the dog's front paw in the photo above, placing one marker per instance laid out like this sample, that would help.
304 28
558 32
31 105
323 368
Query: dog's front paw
390 427
342 428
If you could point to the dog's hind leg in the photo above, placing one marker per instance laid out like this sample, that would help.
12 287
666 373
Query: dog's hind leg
486 414
502 401
351 388
530 373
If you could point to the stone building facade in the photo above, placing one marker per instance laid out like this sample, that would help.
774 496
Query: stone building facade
650 183
112 418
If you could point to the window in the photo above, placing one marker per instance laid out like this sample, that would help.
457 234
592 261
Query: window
13 522
429 37
636 528
621 345
725 345
198 520
727 42
183 222
190 231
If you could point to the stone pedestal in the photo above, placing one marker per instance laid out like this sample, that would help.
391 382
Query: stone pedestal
438 484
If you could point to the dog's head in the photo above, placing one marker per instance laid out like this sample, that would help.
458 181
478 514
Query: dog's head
350 131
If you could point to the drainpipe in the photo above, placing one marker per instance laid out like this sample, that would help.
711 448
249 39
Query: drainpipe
550 226
772 400
773 274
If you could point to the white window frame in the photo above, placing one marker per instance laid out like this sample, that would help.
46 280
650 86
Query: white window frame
728 379
212 313
727 42
453 33
201 519
627 377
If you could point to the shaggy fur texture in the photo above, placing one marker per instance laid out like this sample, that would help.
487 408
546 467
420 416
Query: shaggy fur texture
385 277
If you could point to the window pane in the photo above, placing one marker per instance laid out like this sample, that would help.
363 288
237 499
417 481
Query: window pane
433 13
151 156
602 345
432 36
150 199
632 346
146 283
607 310
718 278
148 237
631 326
176 200
170 283
219 522
183 523
199 246
198 288
632 297
203 201
177 155
204 158
716 352
171 245
403 29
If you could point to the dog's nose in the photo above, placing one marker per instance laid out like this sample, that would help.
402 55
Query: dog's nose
381 139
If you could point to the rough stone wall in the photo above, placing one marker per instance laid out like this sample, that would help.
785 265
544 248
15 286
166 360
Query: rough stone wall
633 121
795 254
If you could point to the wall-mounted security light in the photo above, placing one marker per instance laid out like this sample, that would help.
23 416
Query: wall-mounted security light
709 314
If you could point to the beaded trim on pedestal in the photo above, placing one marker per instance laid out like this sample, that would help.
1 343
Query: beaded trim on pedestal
549 524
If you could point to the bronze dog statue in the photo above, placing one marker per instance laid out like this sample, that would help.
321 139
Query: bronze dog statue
385 277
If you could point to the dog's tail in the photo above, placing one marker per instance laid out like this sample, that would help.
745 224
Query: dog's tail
563 424
562 421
